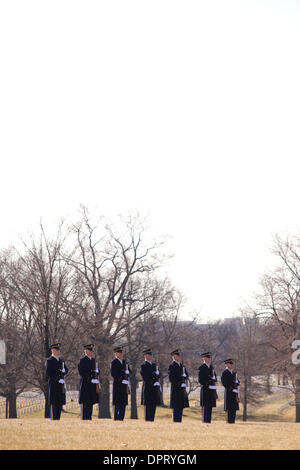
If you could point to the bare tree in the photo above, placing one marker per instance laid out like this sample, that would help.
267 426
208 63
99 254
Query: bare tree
108 259
279 305
13 375
41 280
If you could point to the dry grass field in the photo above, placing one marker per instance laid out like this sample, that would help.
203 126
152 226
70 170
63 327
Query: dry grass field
266 429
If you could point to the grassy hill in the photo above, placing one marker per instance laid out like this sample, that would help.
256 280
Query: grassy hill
266 429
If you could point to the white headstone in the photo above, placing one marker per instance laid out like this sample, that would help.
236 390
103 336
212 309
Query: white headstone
2 352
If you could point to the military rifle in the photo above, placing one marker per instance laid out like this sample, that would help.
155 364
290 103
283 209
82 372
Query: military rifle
236 384
183 379
156 379
127 378
97 375
62 376
126 375
213 380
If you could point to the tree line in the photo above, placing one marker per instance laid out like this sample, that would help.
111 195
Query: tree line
100 281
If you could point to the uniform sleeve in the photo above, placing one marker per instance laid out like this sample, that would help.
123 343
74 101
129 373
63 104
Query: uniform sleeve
227 380
146 373
174 377
84 370
203 376
52 370
117 371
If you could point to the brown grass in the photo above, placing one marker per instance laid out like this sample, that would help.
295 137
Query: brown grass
72 433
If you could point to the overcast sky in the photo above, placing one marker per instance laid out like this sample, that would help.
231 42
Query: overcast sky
187 111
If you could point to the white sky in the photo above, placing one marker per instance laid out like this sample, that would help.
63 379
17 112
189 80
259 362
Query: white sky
184 110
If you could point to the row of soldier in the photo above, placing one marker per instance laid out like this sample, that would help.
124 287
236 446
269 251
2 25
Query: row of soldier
150 398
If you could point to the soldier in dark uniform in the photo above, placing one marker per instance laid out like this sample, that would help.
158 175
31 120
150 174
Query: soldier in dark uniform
208 392
178 376
121 386
89 382
231 394
55 373
151 386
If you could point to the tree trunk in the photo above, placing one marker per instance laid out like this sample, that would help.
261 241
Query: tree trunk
12 400
103 353
133 381
47 403
245 398
162 392
6 407
268 385
104 406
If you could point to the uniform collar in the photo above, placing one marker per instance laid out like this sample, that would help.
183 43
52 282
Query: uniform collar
55 357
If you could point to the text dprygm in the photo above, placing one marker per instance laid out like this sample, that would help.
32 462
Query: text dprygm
151 459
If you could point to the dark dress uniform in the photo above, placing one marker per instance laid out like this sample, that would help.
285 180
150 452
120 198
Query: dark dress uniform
56 390
231 399
88 395
207 395
120 394
150 392
179 397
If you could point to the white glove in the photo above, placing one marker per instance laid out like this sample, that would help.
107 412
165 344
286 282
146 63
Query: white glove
126 371
157 372
235 390
61 381
96 370
213 378
183 385
95 381
126 382
213 387
157 384
184 375
63 370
